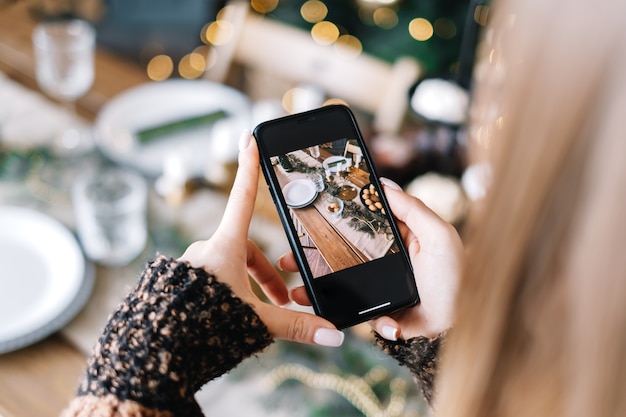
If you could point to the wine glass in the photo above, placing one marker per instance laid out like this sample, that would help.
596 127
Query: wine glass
64 68
315 151
346 190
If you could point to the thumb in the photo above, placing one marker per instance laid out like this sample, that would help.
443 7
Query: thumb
301 327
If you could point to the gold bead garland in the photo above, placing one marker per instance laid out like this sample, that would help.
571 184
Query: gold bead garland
356 390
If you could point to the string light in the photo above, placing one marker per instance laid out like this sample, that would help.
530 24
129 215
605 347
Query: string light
348 46
209 55
224 12
335 100
385 17
314 11
192 65
325 32
378 2
289 98
420 29
160 68
366 16
444 28
218 33
481 14
264 6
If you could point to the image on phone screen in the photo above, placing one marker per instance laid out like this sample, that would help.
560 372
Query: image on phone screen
335 209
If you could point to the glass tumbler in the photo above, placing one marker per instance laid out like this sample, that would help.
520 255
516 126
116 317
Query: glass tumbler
110 212
64 58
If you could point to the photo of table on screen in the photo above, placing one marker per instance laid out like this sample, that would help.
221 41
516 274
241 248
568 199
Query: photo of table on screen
334 208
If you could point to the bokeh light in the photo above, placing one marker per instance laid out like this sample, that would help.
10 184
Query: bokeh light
224 12
445 28
289 98
264 6
313 11
385 17
219 32
325 33
348 46
481 14
335 100
160 68
378 2
192 66
209 54
421 29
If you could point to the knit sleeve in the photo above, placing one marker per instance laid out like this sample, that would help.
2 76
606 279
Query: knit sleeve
177 329
420 355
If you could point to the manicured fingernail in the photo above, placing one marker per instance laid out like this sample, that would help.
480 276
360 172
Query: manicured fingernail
390 333
279 264
328 337
389 183
244 139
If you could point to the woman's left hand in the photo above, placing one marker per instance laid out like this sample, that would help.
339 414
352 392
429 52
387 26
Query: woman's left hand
230 256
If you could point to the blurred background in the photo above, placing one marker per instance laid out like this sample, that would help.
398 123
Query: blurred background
153 110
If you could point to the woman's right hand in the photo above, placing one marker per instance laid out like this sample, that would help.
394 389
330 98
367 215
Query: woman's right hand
436 253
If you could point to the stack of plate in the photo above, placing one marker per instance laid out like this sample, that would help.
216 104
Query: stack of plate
45 279
300 193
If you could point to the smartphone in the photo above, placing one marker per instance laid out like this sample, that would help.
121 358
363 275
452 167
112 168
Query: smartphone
348 248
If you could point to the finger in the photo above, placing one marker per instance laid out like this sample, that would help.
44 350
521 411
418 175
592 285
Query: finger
300 327
287 263
240 206
387 327
405 232
299 296
413 212
264 273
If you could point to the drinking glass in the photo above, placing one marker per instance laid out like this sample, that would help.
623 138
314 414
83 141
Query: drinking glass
110 209
346 190
315 151
64 64
318 180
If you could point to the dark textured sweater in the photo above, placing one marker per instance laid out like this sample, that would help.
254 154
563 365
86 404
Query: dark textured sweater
178 329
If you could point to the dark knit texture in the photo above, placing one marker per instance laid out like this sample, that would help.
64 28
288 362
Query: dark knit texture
420 355
178 329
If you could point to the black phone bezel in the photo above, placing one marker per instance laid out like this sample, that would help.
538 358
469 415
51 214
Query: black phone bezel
337 297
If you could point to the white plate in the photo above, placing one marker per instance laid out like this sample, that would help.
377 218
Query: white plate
45 280
300 193
336 161
157 103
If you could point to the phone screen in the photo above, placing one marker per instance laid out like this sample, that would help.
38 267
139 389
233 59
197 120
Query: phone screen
336 217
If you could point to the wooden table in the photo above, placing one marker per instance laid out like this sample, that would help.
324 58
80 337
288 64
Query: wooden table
41 379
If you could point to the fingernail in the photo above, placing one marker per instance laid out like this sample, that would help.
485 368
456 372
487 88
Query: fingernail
389 183
328 337
244 139
390 333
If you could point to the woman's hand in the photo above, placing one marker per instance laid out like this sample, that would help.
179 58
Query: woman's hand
436 252
230 256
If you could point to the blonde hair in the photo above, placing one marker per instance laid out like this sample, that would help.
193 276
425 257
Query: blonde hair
541 314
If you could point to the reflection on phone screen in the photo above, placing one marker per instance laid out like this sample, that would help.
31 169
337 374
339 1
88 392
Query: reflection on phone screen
335 209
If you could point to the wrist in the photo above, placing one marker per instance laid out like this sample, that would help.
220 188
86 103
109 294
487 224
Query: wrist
176 330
